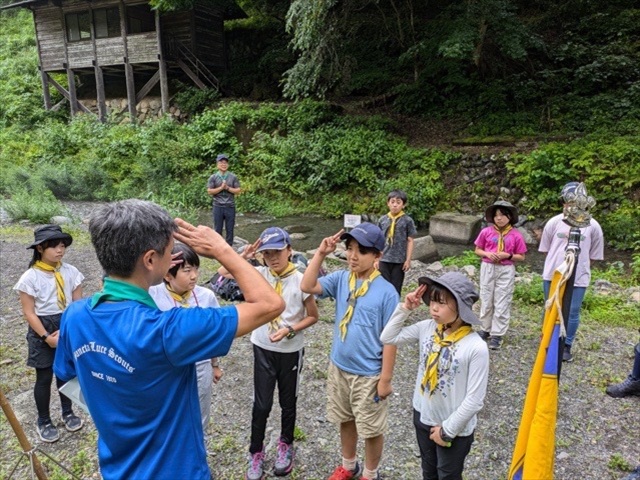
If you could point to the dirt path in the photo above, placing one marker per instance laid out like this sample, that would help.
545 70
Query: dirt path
595 434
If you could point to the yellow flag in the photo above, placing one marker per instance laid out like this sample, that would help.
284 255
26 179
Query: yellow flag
534 451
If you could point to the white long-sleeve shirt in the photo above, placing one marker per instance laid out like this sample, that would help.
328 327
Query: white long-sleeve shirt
462 375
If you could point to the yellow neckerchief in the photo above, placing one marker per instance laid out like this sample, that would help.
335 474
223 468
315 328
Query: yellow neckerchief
501 234
274 325
353 296
392 228
430 378
183 299
62 298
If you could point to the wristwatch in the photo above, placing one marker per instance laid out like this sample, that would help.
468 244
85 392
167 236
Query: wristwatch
44 336
444 436
510 256
292 332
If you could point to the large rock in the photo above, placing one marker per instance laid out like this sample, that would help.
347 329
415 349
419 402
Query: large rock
424 249
454 227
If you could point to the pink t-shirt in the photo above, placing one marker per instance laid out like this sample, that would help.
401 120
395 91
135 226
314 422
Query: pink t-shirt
555 237
513 243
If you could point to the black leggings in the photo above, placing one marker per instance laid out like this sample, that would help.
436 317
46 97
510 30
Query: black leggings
270 368
42 394
393 273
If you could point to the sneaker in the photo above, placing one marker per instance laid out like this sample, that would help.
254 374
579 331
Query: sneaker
635 475
255 471
342 473
72 422
495 343
566 355
48 432
484 335
284 459
625 389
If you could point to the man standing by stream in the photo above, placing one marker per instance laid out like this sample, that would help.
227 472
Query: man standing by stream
223 186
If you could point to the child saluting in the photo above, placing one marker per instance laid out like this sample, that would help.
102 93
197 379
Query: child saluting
452 371
361 368
278 349
46 289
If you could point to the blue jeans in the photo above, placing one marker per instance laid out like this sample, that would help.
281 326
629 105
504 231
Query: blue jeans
224 217
574 311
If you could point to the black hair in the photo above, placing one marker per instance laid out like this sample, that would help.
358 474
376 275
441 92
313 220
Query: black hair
122 232
440 294
506 212
361 248
46 244
189 257
397 194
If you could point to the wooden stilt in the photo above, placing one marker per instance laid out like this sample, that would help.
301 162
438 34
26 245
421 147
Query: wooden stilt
164 83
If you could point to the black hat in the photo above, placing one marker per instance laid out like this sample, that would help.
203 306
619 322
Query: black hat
490 212
461 288
50 232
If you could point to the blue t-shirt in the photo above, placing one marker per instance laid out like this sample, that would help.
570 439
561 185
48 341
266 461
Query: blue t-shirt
135 365
361 351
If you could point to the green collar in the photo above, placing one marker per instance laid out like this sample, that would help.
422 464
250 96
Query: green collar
118 291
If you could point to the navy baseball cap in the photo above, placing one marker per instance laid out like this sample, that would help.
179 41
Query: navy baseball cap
222 156
367 235
274 238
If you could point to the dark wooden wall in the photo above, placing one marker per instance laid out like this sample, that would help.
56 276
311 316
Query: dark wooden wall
200 30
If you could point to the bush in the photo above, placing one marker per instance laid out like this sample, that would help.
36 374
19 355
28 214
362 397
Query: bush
37 207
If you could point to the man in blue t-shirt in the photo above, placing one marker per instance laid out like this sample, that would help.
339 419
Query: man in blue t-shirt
134 363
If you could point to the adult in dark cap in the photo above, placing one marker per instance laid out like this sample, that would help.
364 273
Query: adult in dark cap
554 242
499 246
453 370
223 186
46 289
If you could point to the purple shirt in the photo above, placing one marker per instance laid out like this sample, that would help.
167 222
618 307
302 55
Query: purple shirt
513 243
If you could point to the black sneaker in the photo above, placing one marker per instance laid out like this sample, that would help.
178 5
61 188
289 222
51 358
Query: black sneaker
72 422
566 355
484 335
48 432
495 343
625 389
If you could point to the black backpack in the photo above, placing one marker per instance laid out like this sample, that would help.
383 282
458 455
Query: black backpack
226 288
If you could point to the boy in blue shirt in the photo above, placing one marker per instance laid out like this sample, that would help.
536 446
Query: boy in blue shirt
361 368
135 363
399 230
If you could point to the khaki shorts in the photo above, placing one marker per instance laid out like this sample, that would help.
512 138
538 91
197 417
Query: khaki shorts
350 397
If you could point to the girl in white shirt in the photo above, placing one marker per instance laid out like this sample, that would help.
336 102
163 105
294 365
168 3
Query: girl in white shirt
452 371
46 289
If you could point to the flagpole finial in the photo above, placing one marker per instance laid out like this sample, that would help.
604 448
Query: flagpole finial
577 205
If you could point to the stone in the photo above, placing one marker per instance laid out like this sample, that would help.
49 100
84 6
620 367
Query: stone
454 227
60 220
298 228
424 248
469 271
635 297
529 237
435 268
297 236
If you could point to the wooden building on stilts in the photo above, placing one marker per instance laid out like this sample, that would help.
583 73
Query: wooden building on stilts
118 45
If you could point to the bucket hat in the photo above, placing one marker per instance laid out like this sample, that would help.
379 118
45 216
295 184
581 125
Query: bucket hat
461 288
490 212
367 235
274 238
50 232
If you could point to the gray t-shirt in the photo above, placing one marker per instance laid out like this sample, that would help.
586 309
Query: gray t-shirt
405 228
225 198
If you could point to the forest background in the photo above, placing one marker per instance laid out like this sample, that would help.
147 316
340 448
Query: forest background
329 105
318 99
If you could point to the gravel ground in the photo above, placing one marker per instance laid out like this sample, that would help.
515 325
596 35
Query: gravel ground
597 436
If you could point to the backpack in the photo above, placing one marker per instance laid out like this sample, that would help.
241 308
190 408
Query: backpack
226 288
